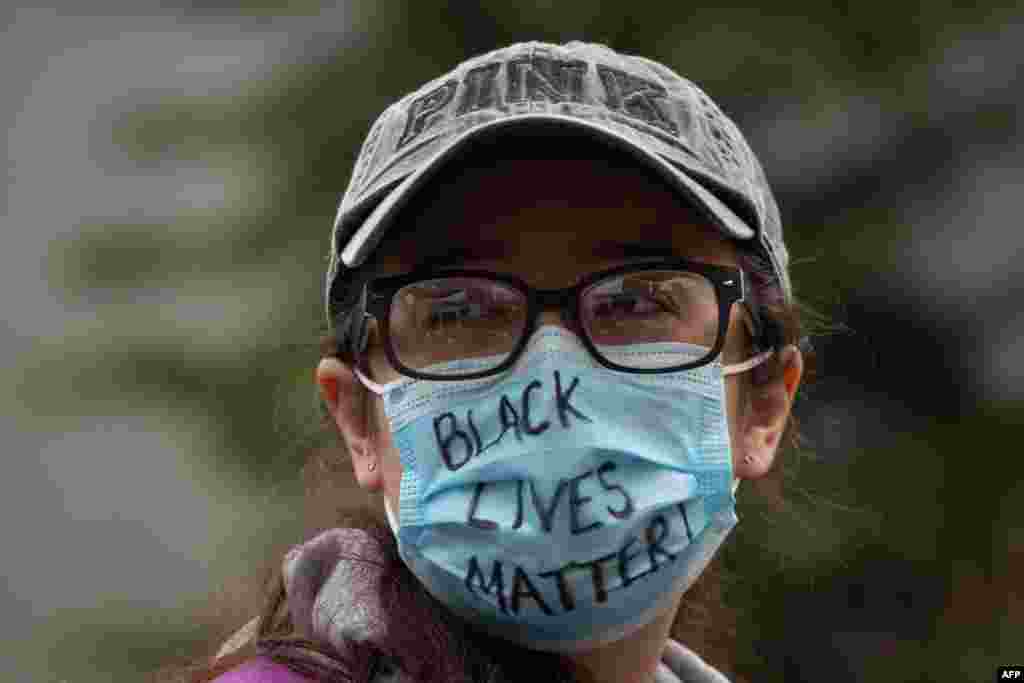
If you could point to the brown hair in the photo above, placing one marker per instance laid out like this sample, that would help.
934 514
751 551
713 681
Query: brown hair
704 622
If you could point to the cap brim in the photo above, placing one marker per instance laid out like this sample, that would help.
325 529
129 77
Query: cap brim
372 230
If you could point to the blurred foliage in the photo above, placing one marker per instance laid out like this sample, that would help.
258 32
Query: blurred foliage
882 533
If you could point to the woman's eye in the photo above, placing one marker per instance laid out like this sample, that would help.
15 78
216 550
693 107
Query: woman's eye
625 305
449 314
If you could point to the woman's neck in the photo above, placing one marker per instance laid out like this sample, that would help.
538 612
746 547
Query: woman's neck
631 660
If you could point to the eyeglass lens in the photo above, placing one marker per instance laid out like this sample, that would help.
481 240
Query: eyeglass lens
454 326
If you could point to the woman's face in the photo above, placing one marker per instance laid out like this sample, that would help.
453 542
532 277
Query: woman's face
551 223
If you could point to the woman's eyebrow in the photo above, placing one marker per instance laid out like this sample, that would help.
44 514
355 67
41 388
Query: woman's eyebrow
457 255
633 250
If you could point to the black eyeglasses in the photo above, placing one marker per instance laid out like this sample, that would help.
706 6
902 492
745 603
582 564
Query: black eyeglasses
452 324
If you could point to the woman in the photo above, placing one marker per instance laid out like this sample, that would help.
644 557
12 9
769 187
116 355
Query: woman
565 334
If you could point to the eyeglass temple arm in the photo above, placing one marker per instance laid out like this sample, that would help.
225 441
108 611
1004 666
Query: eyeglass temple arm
766 331
763 330
354 329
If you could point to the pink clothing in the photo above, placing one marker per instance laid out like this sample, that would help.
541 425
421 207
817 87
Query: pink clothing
260 670
333 583
678 664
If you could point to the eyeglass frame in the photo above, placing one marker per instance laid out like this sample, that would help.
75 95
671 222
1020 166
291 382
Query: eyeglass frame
375 300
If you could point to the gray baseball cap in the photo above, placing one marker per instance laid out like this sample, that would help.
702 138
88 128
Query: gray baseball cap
625 101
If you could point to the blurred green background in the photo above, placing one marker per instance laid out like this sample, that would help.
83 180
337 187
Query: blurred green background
173 173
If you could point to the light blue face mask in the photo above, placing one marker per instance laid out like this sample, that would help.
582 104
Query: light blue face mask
561 504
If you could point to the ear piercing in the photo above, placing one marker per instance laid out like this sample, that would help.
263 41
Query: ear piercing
748 459
372 466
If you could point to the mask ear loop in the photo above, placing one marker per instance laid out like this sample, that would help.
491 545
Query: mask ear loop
364 338
376 388
749 364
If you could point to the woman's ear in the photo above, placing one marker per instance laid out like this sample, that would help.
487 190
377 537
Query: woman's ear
763 420
348 404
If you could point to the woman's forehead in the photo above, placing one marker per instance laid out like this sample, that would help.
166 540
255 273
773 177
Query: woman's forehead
548 213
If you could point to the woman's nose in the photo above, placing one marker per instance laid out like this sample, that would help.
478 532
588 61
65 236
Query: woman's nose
553 318
550 318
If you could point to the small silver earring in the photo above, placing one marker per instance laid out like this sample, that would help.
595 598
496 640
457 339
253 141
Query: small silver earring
372 466
748 459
